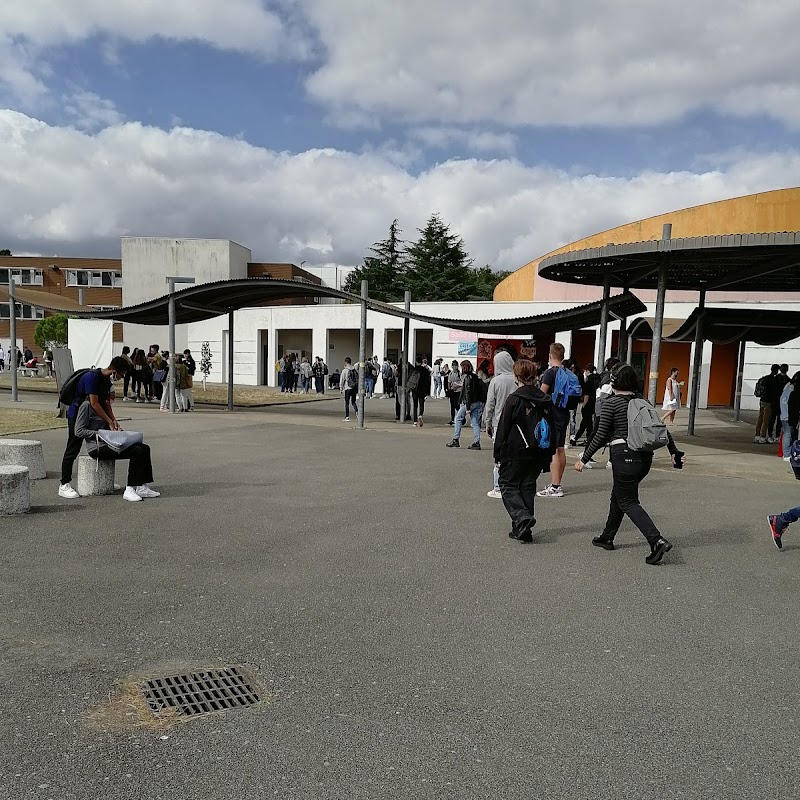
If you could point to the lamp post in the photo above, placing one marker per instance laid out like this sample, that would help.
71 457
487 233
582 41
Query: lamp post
171 281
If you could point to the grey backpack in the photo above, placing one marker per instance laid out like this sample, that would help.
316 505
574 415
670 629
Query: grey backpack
646 431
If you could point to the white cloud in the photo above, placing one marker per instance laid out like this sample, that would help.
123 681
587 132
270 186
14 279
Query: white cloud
537 62
75 193
477 141
88 111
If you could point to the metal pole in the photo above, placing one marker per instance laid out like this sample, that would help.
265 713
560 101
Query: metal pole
362 354
658 325
622 341
12 329
737 403
171 374
404 363
697 364
230 359
601 345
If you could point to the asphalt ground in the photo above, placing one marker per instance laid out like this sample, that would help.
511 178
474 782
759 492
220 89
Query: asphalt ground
408 647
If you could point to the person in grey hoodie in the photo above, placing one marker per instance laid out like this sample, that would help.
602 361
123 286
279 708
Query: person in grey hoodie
502 385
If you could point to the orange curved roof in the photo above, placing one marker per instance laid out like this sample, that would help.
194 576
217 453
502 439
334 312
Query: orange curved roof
767 212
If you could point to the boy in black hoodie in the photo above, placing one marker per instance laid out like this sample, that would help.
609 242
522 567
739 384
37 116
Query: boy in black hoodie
520 449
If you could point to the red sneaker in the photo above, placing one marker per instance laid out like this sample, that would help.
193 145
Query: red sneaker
776 530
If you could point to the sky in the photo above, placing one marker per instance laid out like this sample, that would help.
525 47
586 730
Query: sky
302 128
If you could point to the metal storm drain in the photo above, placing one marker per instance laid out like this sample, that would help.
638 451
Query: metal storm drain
201 692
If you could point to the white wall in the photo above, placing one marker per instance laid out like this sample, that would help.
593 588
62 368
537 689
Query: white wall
91 342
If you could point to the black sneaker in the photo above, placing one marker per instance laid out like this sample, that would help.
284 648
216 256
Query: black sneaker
606 544
776 530
474 446
525 537
658 551
454 443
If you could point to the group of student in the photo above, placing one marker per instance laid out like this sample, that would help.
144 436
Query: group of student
528 415
778 407
295 375
146 379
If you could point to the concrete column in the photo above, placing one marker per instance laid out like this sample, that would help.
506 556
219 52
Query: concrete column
601 339
171 365
230 358
697 363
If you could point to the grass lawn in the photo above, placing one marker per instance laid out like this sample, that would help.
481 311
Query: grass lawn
18 420
214 394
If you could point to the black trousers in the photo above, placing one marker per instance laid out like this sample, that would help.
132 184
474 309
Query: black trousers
140 466
455 404
630 468
419 405
776 422
587 421
319 385
397 405
350 397
126 382
71 452
518 488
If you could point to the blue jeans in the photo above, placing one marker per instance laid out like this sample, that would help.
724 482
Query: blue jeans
788 437
788 517
369 386
475 419
437 385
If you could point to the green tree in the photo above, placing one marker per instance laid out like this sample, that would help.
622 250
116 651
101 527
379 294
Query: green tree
485 281
439 265
384 269
51 332
5 252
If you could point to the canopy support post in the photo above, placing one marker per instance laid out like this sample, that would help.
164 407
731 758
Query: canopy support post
737 403
697 364
622 341
230 359
404 398
12 331
362 355
172 360
601 345
658 324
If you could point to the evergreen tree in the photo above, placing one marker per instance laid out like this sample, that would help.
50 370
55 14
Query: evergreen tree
486 280
5 252
384 269
439 265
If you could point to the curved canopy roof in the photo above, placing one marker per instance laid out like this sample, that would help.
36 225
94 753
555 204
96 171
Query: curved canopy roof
756 262
724 325
206 300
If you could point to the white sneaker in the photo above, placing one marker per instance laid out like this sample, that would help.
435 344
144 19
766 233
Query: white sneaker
130 494
551 491
495 493
146 491
760 440
347 419
66 491
787 458
608 464
770 440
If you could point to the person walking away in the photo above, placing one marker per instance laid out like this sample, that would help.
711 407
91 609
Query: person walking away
472 398
188 389
95 386
766 390
455 382
398 392
631 459
387 376
565 390
781 379
672 397
790 414
126 381
603 392
419 384
500 388
522 445
140 468
591 383
348 382
572 366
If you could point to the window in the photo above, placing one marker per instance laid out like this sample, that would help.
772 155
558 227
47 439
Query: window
106 278
24 311
31 277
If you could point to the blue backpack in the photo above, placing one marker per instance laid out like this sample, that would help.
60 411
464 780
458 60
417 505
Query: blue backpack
567 392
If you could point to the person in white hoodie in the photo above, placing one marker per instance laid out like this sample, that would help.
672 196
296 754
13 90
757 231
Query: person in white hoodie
502 385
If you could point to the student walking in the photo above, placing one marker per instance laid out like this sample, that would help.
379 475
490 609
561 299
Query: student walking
454 384
471 399
436 372
522 447
419 384
501 387
778 523
348 386
630 466
672 397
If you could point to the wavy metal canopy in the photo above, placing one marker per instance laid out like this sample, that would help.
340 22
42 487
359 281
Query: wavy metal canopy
724 325
755 262
206 300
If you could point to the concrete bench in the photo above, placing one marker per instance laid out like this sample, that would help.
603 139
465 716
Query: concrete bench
15 490
94 477
32 372
26 453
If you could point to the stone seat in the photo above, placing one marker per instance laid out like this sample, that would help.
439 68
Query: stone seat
24 452
15 489
94 477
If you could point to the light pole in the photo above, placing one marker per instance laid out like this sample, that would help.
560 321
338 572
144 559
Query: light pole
171 281
12 330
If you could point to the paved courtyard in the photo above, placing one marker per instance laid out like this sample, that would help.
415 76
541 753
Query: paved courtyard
408 648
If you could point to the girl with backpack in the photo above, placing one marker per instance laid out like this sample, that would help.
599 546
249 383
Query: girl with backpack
630 466
523 447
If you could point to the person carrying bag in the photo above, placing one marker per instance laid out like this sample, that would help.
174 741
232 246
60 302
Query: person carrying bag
104 444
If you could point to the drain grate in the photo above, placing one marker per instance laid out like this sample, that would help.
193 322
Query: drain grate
201 692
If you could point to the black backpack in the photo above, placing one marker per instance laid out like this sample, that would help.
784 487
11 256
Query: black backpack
761 386
69 390
532 433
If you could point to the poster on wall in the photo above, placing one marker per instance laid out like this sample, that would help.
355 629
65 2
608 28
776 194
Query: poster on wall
468 349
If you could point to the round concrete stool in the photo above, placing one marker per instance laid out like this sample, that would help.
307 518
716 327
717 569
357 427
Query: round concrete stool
94 477
24 452
15 489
